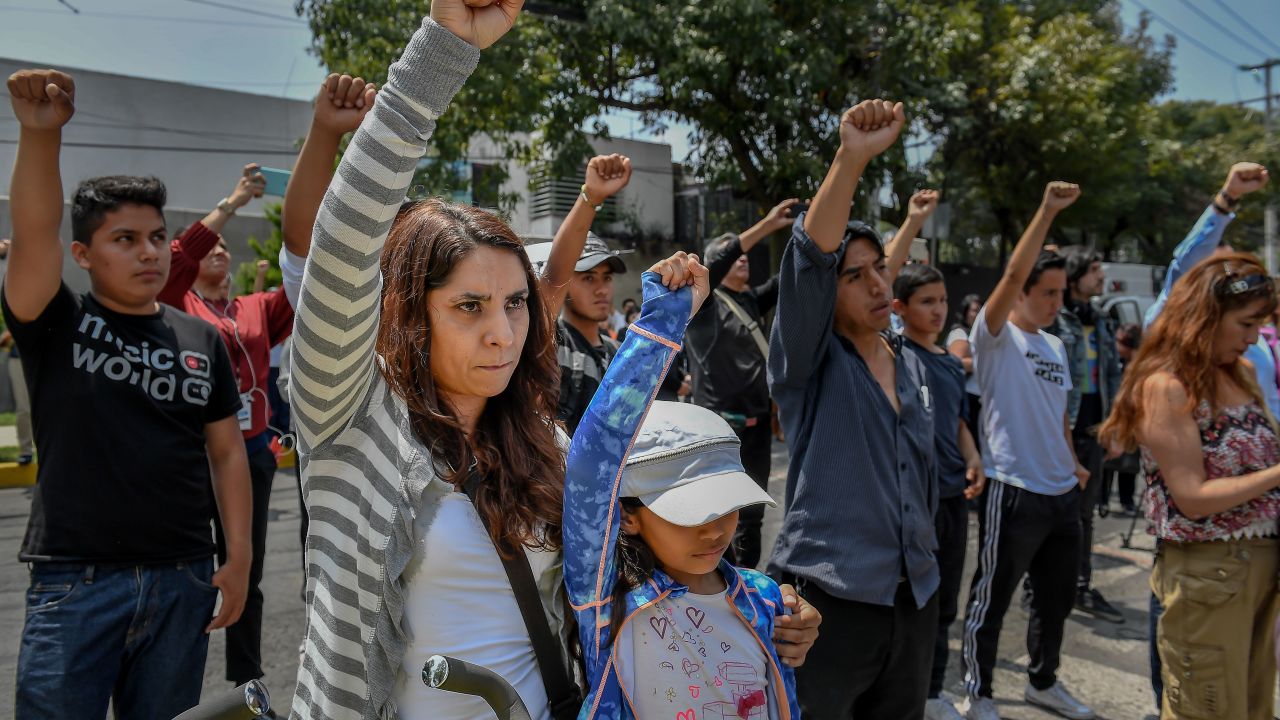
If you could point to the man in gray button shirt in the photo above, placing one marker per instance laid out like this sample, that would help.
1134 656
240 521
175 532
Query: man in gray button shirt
858 535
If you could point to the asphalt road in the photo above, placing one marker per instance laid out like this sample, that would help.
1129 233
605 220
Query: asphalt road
1105 664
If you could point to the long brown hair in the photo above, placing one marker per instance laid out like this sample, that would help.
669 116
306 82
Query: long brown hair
514 446
1181 342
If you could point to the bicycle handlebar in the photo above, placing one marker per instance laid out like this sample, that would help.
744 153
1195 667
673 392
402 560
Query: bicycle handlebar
447 673
248 701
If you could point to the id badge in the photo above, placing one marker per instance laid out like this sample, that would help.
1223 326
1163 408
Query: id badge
245 415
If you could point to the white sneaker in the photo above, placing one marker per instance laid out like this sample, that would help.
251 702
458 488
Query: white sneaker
1057 699
979 708
941 709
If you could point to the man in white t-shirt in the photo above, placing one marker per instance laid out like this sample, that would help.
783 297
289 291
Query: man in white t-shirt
1030 520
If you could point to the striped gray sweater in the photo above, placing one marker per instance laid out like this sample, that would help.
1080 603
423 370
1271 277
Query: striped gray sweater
367 479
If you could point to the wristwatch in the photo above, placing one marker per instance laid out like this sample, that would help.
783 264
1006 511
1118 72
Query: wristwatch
225 206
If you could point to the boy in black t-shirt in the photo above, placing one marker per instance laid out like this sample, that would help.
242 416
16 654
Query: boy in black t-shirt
920 299
134 406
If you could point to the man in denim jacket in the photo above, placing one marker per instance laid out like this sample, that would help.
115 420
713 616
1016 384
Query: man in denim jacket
1089 338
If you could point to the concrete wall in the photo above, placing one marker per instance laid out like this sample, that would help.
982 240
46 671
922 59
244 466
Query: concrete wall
195 139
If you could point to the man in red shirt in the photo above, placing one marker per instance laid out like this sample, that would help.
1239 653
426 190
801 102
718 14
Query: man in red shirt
250 325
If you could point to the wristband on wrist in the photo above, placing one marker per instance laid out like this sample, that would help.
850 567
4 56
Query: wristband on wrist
225 206
1229 201
587 200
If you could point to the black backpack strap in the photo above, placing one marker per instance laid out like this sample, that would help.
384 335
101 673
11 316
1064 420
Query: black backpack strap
563 695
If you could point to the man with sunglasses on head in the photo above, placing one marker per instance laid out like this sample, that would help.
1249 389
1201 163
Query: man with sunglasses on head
858 535
1088 336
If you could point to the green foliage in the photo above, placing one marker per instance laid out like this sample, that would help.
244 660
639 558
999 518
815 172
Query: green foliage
763 82
268 250
1030 96
1192 145
1009 95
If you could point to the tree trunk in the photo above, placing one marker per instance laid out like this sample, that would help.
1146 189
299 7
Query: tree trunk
1004 218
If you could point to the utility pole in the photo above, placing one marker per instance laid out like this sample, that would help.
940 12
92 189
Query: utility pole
1269 216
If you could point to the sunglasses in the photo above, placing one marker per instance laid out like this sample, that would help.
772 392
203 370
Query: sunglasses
1233 283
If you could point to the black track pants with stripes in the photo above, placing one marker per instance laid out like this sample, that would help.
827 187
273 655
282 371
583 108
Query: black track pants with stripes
1021 532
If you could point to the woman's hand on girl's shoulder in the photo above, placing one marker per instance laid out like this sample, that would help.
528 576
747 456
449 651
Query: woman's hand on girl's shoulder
682 270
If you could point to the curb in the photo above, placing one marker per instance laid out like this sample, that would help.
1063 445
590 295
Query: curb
13 475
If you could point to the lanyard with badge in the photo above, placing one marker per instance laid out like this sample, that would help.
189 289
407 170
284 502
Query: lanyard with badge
244 416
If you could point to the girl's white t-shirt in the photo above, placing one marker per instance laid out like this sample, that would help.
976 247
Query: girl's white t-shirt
695 658
970 379
459 602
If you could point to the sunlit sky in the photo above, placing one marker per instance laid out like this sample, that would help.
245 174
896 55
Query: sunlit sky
260 46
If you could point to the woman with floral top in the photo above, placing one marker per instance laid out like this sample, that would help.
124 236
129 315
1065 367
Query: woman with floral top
1211 458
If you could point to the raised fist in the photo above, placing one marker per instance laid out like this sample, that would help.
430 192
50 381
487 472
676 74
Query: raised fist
343 102
479 22
922 204
263 266
684 269
1060 195
1244 178
871 126
779 216
42 99
606 175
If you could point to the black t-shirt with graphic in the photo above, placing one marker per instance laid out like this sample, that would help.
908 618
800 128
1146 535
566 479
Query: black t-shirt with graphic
119 405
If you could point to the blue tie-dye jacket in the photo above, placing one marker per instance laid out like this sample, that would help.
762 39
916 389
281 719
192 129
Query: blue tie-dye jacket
592 513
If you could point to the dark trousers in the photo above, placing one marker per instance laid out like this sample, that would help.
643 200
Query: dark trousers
305 523
951 523
1090 455
279 404
1154 611
870 662
757 452
1021 533
1125 484
244 639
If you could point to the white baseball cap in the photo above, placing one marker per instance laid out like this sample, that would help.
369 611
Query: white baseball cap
686 466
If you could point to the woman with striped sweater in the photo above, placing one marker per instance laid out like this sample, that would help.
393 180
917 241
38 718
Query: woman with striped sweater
422 352
420 322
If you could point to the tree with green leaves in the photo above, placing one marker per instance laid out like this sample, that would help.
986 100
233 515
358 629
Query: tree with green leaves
1029 95
1008 93
268 250
763 83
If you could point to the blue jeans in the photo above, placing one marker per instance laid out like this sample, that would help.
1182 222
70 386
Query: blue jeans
134 635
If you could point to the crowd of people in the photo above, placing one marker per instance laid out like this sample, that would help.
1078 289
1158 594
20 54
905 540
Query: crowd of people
497 465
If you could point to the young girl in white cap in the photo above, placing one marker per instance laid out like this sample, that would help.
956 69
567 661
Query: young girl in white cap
669 629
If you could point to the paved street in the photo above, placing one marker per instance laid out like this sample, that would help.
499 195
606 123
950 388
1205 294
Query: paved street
1106 664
